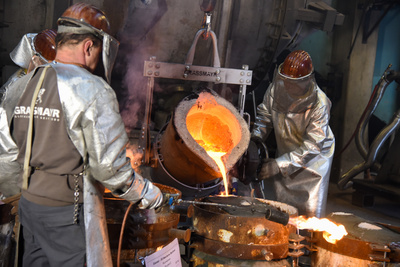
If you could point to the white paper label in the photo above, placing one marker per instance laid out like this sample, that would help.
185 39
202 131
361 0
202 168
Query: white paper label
168 256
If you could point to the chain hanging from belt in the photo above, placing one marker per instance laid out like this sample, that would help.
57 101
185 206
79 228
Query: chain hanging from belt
76 197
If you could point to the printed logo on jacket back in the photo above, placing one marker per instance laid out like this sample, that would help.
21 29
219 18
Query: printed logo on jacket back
42 113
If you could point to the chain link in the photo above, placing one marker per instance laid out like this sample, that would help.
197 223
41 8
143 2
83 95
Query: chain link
76 198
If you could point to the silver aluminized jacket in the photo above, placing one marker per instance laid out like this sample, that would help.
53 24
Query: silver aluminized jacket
97 130
305 148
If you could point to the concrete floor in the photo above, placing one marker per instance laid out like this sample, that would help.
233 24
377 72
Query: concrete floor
384 210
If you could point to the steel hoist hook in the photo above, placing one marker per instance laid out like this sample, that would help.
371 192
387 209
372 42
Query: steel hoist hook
206 25
207 6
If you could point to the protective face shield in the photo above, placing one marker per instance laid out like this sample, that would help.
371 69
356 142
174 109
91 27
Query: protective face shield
294 88
293 95
23 52
82 19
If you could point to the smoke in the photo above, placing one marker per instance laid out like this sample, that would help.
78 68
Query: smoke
135 48
138 92
133 107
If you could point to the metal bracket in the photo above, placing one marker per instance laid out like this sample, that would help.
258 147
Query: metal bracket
144 140
295 247
321 13
217 75
380 253
311 242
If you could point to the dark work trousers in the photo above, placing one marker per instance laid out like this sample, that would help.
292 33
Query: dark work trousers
50 237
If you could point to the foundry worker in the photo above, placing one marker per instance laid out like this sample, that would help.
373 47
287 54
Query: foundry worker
34 49
298 112
69 144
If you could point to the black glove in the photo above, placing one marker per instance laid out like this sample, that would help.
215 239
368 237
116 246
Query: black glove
252 161
269 169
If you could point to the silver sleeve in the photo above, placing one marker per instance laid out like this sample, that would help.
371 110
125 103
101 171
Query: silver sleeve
106 140
9 167
263 125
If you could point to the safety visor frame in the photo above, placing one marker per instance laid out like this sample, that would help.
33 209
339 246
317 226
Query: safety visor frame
285 77
110 44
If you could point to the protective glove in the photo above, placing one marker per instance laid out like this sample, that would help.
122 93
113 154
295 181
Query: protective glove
252 161
163 203
269 169
152 199
142 192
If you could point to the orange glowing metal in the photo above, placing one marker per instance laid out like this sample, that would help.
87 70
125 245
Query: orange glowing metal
217 157
332 231
205 126
211 149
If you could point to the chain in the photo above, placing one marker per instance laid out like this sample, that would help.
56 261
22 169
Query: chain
76 198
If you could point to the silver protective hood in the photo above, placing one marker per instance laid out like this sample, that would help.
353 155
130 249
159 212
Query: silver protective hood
110 44
24 51
293 95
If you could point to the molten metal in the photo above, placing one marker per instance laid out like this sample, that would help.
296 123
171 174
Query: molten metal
217 157
202 121
332 231
210 132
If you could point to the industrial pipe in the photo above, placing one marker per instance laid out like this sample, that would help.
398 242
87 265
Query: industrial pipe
386 132
372 105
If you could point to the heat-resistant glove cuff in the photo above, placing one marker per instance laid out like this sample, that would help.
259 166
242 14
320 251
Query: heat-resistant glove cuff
143 191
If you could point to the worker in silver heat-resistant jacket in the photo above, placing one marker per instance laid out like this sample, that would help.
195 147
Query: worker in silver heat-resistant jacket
298 112
67 142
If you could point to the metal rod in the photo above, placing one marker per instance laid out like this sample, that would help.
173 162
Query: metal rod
273 215
205 203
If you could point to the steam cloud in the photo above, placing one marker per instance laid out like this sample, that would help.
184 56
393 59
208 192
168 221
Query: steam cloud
136 48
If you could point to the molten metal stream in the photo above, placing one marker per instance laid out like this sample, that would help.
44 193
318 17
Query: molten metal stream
217 157
206 125
202 134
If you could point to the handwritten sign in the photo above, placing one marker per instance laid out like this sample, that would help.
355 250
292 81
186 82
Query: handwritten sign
168 256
